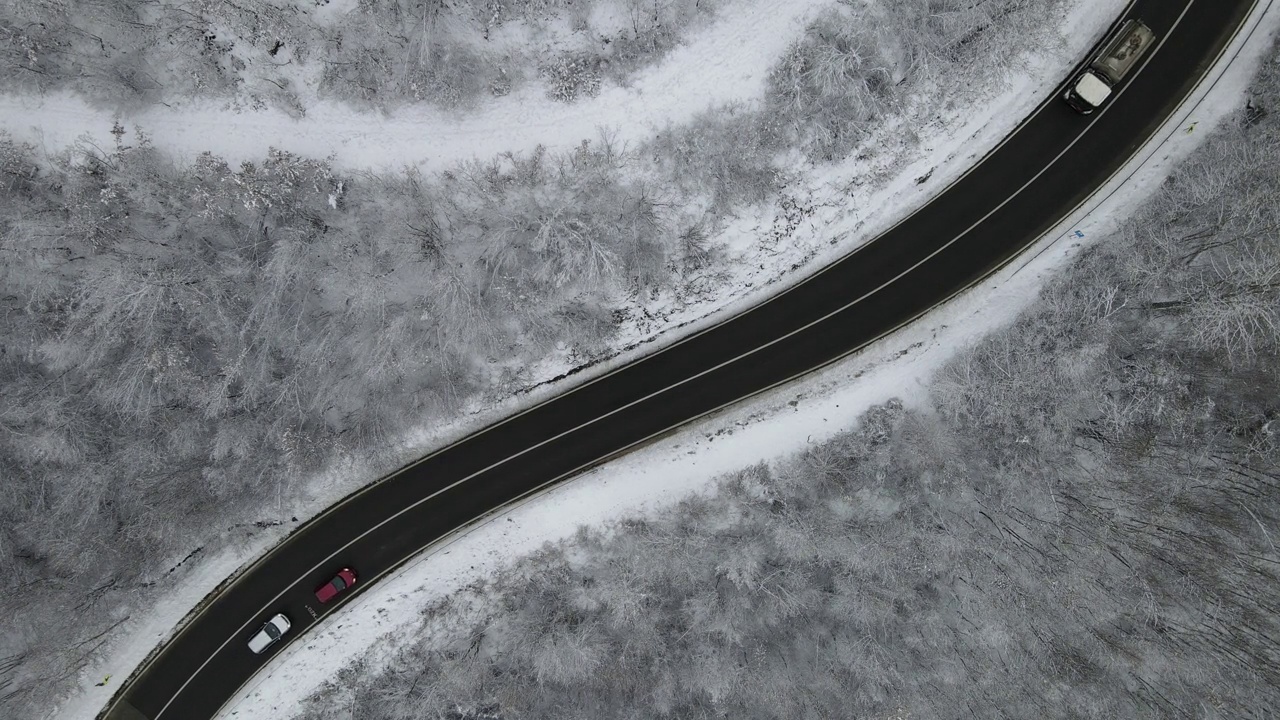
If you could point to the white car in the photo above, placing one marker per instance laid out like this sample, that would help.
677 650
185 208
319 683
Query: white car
270 633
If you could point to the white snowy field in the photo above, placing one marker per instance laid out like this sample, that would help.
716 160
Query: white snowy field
839 217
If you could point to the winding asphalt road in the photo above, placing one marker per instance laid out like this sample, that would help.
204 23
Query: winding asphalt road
1040 173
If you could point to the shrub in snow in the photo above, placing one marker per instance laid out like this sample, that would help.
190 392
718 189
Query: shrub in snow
570 77
831 84
445 76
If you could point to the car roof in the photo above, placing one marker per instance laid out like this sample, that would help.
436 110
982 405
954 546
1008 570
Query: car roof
1093 90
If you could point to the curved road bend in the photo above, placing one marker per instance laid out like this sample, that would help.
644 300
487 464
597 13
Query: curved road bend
1039 174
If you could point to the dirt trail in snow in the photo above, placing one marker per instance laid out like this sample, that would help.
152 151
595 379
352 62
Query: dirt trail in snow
728 61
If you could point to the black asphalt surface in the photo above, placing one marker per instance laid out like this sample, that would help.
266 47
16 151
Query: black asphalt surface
1038 176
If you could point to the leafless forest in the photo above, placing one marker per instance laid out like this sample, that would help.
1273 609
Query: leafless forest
1082 525
184 340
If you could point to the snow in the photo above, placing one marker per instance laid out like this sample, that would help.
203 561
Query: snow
1092 90
728 62
835 215
773 425
825 215
332 12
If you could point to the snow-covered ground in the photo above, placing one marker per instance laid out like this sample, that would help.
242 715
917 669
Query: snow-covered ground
728 62
837 217
776 424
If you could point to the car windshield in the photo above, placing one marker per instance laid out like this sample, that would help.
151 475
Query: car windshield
339 583
272 632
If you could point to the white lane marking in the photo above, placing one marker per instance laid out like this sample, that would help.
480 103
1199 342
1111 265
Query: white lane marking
569 391
820 271
966 231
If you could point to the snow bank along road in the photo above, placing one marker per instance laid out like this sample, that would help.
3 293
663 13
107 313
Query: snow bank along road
1041 172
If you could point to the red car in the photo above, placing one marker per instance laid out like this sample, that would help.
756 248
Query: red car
345 578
